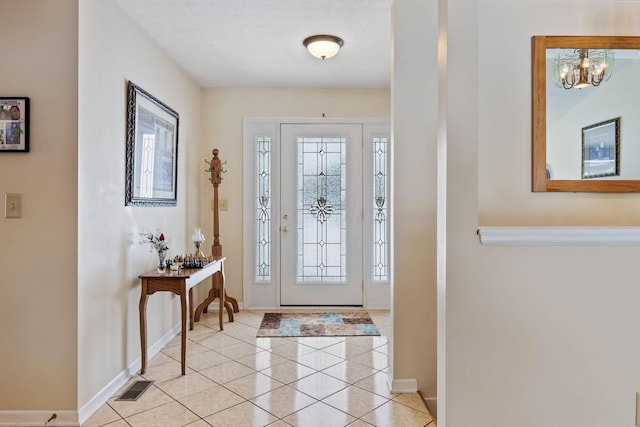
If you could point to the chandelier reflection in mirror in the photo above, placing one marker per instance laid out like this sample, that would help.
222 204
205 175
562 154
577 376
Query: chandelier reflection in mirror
582 68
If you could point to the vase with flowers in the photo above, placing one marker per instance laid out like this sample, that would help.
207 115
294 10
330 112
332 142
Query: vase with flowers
158 243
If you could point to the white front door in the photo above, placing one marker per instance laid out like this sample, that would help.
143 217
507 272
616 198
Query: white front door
321 214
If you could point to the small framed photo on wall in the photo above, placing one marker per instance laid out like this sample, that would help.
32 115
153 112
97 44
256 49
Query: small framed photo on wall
14 124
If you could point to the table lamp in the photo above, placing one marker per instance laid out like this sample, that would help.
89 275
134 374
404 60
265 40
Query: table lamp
197 238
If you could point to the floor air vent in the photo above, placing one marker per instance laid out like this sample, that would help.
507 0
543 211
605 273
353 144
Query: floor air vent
135 390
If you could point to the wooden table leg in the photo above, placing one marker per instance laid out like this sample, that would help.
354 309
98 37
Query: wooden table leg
183 310
143 327
221 297
191 309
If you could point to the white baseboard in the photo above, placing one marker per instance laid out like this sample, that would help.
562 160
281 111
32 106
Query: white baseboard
110 389
432 405
404 386
377 307
38 418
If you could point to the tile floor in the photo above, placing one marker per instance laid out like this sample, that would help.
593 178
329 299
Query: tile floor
235 379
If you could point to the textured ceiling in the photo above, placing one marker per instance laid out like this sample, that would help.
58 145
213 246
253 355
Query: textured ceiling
258 43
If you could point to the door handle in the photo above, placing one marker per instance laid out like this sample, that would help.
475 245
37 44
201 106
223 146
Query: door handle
285 229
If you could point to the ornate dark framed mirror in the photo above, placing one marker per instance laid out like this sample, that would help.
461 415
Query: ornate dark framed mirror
151 150
578 83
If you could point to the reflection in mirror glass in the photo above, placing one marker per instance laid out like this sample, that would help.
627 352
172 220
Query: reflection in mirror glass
592 114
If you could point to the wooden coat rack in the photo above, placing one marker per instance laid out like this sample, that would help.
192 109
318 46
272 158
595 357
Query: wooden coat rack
230 303
216 170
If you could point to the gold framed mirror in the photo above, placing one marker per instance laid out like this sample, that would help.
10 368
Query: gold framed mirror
577 84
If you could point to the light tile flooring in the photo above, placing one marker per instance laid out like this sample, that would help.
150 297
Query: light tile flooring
235 379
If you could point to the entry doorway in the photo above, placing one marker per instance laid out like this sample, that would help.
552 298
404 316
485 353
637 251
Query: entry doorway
316 213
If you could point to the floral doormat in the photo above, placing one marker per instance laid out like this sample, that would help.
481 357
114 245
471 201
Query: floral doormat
317 325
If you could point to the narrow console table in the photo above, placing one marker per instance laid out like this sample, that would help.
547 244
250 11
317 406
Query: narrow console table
179 282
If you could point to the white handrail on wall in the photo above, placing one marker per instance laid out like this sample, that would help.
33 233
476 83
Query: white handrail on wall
559 235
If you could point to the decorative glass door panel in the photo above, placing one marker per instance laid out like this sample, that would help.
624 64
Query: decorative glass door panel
380 257
321 215
263 209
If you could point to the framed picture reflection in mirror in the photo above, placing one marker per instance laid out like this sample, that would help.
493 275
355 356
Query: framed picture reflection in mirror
601 149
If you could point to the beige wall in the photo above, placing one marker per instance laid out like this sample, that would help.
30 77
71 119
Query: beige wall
504 119
535 335
225 109
414 89
38 252
113 50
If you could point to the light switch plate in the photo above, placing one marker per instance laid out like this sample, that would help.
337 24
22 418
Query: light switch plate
13 205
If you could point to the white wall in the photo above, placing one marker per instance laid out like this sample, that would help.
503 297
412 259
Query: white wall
225 109
38 252
535 335
113 50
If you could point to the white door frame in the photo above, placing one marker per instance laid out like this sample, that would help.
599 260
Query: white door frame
266 293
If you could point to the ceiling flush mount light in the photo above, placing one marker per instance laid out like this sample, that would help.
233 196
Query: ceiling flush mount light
323 46
582 68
